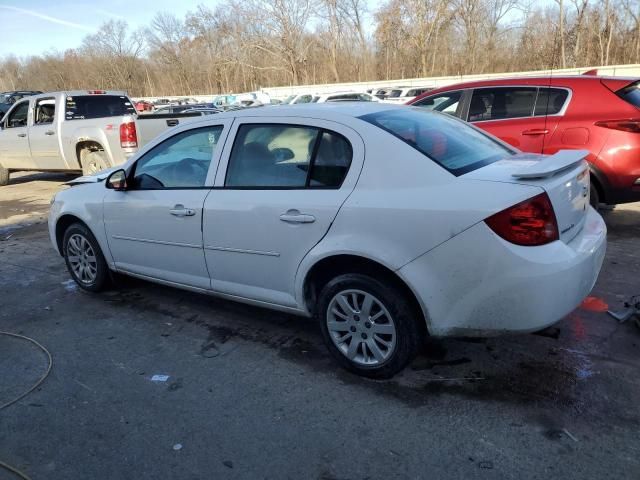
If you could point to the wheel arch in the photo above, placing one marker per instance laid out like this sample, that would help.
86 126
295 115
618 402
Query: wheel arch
87 146
330 266
62 224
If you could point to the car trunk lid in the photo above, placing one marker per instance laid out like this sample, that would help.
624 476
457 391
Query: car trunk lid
563 176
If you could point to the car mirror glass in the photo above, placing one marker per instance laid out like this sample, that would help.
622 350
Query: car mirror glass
117 181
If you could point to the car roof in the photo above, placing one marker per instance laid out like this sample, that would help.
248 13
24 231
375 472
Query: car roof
550 80
325 111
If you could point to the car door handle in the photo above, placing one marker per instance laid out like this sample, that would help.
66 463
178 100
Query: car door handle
536 131
180 211
49 132
294 216
172 122
22 135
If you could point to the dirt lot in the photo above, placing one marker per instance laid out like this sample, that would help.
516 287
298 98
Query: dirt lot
253 394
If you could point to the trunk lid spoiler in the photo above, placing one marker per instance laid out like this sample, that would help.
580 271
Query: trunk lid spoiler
544 167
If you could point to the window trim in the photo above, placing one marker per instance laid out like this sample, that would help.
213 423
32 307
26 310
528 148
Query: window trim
560 113
312 160
462 109
125 98
131 173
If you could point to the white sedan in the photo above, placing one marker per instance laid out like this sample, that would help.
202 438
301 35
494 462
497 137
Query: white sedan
386 223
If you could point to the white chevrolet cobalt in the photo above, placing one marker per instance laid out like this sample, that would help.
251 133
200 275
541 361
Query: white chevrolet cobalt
387 223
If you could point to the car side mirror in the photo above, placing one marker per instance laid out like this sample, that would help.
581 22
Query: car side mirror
117 181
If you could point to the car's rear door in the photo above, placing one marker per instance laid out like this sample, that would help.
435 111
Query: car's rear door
154 228
279 187
508 113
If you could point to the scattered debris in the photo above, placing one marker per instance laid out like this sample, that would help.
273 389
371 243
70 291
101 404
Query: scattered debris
568 434
228 463
594 304
160 378
487 465
7 237
70 285
47 308
177 446
631 308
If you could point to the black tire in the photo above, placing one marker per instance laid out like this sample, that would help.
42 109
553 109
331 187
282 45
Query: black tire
408 328
594 196
4 176
101 278
93 161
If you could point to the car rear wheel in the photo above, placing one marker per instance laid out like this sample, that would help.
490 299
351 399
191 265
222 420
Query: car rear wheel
4 176
368 326
93 162
84 258
594 196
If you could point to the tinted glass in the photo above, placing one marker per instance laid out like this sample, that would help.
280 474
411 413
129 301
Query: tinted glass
550 101
304 99
271 156
97 106
182 161
18 117
450 142
448 102
331 162
631 94
45 111
395 93
500 103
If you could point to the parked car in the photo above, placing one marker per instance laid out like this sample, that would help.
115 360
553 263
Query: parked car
544 115
7 99
381 93
386 223
84 130
405 94
143 106
344 97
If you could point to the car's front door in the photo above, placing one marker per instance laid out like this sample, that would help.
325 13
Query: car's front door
14 138
279 187
43 139
508 113
154 226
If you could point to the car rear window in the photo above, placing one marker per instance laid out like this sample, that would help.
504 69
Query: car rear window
83 107
448 141
550 101
631 94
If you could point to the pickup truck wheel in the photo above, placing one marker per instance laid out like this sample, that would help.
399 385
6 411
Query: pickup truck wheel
4 176
93 162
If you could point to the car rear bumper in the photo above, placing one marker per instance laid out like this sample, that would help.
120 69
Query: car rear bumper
477 284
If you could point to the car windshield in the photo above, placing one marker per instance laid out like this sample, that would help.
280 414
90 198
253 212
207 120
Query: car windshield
451 143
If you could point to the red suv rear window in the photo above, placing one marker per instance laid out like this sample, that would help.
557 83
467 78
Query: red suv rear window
631 94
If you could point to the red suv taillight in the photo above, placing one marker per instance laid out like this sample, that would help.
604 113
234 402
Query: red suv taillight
128 135
529 223
626 125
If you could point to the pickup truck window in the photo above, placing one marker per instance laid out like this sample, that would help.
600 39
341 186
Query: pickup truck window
45 110
84 107
18 117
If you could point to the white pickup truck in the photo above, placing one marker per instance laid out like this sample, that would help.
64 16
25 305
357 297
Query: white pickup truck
85 130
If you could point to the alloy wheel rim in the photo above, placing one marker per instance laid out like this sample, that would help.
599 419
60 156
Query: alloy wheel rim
361 327
82 259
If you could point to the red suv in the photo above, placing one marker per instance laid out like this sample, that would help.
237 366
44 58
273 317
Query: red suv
544 115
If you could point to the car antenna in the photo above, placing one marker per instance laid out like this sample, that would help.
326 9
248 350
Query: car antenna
553 61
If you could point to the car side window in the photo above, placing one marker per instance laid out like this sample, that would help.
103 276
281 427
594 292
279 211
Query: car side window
182 161
18 117
45 111
287 156
550 101
448 102
501 103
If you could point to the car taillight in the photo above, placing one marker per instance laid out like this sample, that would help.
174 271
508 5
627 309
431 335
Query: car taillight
627 125
128 135
96 92
529 223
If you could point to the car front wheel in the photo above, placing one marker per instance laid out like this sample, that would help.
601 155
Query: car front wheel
84 258
368 326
